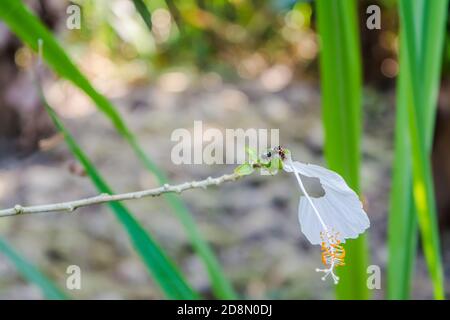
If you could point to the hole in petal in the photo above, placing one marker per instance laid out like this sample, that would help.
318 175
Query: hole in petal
312 186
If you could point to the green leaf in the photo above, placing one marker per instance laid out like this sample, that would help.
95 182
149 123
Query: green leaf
244 169
252 155
422 36
143 11
159 265
28 28
402 224
340 70
31 273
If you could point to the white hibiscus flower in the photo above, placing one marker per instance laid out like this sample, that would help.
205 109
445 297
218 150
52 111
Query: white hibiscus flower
329 210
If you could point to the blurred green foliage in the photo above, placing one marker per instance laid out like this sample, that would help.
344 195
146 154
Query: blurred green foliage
242 38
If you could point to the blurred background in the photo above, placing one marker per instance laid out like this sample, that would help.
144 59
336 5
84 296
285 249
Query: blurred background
231 64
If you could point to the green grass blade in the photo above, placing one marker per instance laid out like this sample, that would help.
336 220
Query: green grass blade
340 70
402 224
402 218
31 273
159 265
434 29
422 38
143 11
28 28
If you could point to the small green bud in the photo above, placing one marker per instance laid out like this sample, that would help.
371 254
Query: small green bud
244 169
252 155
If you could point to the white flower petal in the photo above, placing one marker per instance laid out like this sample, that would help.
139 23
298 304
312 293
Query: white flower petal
309 224
339 208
